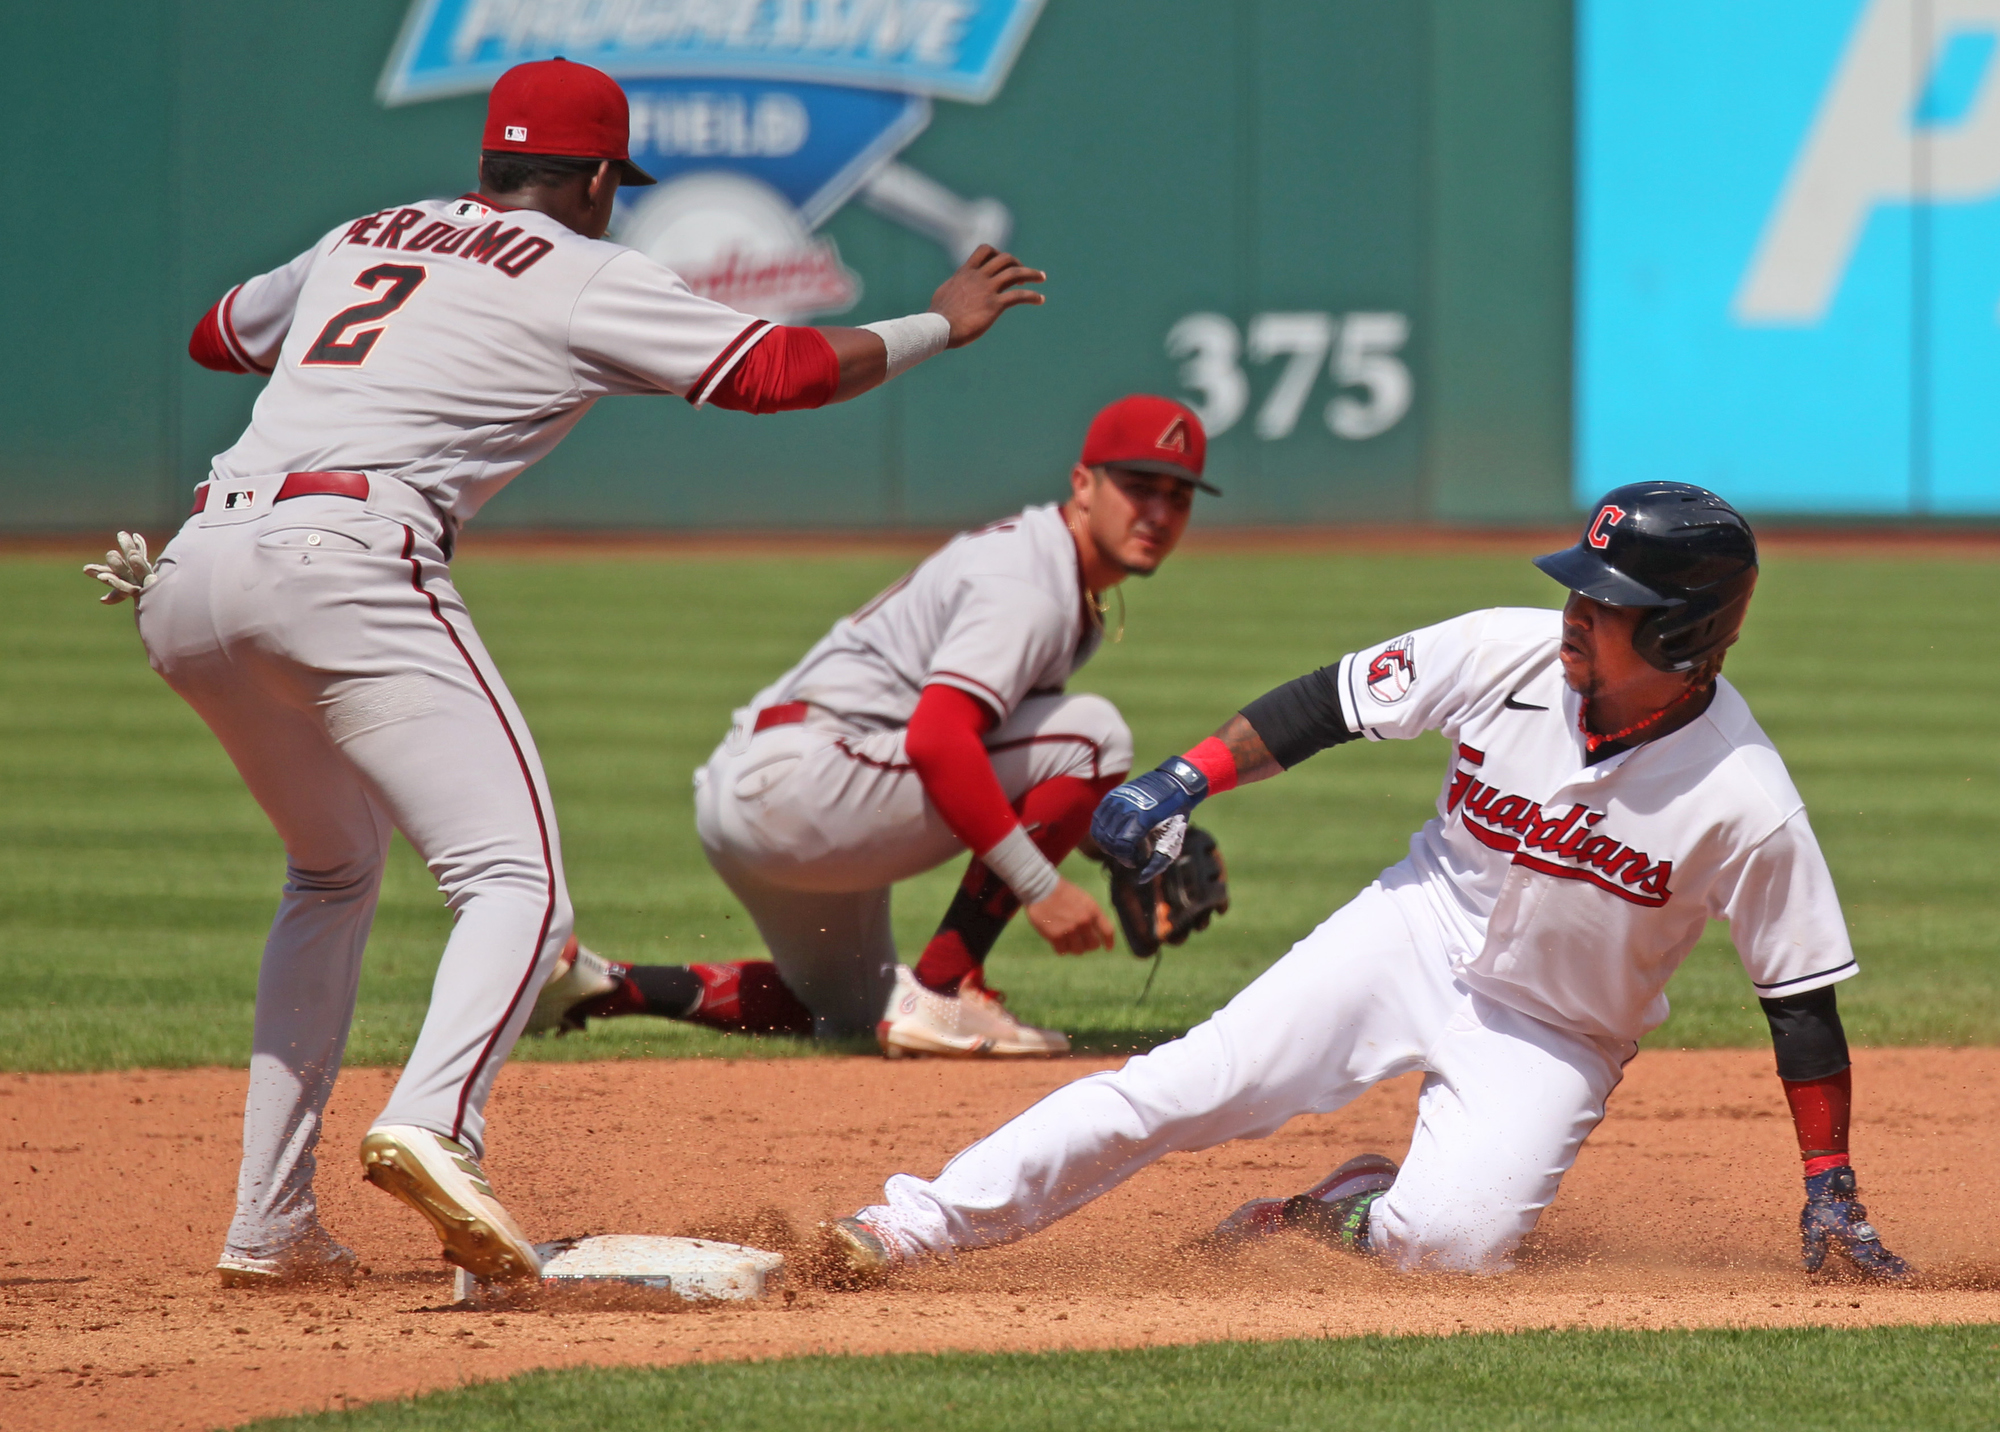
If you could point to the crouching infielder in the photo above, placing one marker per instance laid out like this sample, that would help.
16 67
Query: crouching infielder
1607 794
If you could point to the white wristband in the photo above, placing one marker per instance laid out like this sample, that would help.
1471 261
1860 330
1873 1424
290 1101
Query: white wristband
1025 869
911 340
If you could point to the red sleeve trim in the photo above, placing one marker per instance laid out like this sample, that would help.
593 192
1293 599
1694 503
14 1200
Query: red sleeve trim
785 370
208 346
944 744
725 360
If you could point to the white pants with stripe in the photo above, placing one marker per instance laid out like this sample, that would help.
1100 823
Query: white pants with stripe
811 824
1506 1103
322 641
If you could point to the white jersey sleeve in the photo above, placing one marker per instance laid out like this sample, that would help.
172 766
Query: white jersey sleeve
1424 681
256 315
638 328
1002 637
1784 914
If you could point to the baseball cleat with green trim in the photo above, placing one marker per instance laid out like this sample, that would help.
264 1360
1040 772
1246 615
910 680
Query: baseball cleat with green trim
1334 1209
440 1179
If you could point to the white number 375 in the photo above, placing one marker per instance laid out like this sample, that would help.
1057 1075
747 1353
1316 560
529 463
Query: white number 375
1357 350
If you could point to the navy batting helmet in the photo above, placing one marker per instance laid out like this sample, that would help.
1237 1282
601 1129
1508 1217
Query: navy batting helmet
1673 547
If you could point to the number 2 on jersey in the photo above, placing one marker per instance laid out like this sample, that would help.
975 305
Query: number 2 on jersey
328 348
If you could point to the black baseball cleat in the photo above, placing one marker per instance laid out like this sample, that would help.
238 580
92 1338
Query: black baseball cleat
1340 1200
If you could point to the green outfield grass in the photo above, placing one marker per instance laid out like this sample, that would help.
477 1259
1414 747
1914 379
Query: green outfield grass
1938 1379
136 877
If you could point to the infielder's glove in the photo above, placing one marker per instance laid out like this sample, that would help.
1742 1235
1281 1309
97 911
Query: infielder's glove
1183 898
1833 1219
128 570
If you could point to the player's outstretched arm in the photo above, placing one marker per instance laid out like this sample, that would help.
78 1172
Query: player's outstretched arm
1142 823
792 368
963 308
1814 1068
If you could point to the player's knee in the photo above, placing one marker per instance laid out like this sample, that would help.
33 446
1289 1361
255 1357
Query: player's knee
331 879
520 875
1110 738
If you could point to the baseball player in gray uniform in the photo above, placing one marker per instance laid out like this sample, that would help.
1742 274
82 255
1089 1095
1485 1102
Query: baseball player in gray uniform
419 358
1605 795
931 722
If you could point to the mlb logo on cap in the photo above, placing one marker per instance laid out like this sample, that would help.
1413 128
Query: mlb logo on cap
1149 434
517 134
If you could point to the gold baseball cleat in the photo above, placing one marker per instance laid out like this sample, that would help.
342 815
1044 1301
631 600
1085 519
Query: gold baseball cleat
853 1255
440 1179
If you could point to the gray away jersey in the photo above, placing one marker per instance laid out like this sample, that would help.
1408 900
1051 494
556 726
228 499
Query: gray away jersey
451 343
999 613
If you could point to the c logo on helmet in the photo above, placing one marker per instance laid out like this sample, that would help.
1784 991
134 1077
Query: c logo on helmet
1608 517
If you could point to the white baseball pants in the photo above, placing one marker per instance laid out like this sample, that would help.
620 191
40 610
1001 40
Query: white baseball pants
810 825
1506 1103
322 641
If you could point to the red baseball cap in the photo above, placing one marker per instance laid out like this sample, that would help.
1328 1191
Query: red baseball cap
557 107
1149 434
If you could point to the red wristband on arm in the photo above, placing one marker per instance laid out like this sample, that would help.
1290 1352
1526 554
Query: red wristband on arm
1213 759
943 743
786 369
1820 1111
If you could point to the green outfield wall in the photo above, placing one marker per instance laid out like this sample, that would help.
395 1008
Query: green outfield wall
1342 226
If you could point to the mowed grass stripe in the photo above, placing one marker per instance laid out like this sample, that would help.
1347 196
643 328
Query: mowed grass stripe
1940 1379
137 878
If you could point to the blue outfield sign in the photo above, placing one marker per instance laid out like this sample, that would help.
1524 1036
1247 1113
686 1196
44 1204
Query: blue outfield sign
1788 252
950 49
814 144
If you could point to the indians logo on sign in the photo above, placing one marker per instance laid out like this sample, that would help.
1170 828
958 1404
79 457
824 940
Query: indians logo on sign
760 118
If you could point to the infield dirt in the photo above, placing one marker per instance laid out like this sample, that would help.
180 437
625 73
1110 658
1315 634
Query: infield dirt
1681 1212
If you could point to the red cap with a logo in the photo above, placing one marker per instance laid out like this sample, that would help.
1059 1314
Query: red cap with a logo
557 107
1149 434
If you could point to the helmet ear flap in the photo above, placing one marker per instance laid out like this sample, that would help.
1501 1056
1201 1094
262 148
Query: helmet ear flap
1680 638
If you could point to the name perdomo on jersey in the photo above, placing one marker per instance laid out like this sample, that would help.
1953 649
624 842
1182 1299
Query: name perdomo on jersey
1565 846
494 243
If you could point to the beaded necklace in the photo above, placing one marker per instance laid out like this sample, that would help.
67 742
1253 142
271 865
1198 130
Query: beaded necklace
1592 742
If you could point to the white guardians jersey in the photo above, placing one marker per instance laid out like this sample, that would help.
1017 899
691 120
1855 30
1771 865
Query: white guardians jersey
450 343
1572 892
1000 613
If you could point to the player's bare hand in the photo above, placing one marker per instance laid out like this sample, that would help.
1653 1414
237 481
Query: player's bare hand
985 286
1071 921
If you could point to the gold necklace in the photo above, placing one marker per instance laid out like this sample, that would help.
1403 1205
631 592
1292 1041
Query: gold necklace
1104 611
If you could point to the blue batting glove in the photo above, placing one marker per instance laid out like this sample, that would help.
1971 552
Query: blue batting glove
1834 1221
1140 822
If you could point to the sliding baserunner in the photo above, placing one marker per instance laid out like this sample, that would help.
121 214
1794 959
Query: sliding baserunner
1607 794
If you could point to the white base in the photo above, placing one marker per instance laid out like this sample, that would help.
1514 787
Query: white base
627 1269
